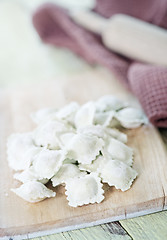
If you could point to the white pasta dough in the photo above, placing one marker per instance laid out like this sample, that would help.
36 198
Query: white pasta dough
65 138
84 148
33 191
118 174
28 175
18 146
115 133
104 118
93 130
46 134
84 190
48 162
94 166
131 117
77 147
68 112
66 172
109 102
118 151
85 115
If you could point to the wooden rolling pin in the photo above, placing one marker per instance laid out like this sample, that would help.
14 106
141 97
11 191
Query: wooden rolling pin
128 36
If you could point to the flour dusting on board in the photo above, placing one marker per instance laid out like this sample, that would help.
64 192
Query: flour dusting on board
80 147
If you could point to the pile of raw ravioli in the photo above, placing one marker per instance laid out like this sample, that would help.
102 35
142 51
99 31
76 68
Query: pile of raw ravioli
77 146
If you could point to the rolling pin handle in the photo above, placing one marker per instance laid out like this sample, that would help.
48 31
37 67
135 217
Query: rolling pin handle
89 20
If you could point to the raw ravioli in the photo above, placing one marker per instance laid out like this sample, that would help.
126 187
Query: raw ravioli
115 133
33 191
94 166
85 115
84 190
65 138
28 175
109 102
66 172
68 112
131 117
46 134
118 151
117 174
17 147
93 130
84 148
104 118
48 162
76 146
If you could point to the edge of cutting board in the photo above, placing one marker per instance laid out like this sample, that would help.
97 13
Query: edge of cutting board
52 228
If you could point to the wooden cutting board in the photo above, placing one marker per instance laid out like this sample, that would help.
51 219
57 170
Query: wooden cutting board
148 193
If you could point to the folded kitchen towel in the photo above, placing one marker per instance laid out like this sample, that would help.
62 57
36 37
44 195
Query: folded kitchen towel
147 82
56 27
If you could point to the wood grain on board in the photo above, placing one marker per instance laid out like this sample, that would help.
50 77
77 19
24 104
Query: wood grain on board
148 193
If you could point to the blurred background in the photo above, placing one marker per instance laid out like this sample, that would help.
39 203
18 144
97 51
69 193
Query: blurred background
127 45
23 56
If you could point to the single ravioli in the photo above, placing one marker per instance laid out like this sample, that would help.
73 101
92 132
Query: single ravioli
108 103
18 147
117 174
46 134
131 117
84 148
66 172
84 190
33 191
85 115
118 150
47 163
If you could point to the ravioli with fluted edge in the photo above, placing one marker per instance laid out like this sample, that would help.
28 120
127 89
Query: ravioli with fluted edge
77 146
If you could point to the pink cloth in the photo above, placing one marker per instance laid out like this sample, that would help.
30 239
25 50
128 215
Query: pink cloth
148 82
